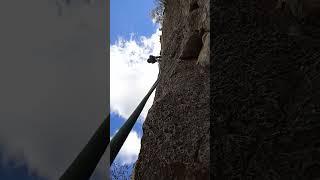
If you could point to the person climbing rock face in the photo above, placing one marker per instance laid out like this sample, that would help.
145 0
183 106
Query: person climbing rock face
153 59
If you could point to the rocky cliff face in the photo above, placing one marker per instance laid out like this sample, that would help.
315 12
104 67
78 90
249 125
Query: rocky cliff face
265 90
175 142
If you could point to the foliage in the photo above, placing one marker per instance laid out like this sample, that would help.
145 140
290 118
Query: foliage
120 172
157 12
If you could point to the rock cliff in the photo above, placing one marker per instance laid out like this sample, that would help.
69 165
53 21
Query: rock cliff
265 90
175 142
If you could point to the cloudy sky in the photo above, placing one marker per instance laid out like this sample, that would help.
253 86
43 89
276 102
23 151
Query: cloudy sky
133 38
53 74
54 80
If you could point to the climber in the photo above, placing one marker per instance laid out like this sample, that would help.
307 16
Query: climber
152 59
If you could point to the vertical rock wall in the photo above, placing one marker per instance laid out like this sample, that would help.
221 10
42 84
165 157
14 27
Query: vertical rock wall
265 90
175 142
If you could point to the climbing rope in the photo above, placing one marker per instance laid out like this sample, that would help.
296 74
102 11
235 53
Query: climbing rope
87 160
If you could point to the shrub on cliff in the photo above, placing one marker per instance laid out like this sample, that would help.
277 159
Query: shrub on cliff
157 12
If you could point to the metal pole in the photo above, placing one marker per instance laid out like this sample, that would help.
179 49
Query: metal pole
87 160
118 140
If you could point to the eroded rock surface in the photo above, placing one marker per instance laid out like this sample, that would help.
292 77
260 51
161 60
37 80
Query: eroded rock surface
265 92
175 142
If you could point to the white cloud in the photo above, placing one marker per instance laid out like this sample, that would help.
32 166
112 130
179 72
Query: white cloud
131 76
129 152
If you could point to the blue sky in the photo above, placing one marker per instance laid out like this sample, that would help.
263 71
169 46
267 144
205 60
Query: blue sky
16 173
130 16
12 171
